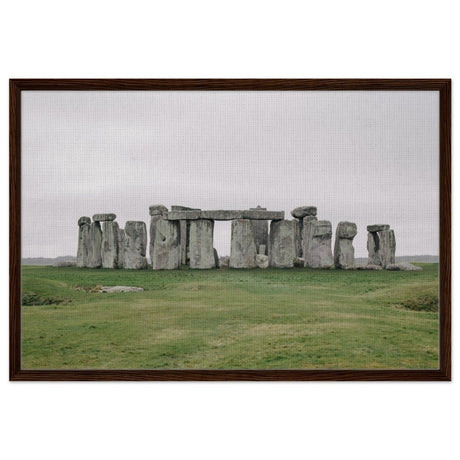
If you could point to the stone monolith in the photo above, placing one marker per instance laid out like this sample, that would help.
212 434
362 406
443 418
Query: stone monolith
95 258
121 248
157 212
260 230
166 245
307 234
387 247
135 245
243 247
109 248
344 252
319 252
201 250
282 243
84 241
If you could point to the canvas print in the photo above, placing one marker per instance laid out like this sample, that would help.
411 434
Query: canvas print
230 230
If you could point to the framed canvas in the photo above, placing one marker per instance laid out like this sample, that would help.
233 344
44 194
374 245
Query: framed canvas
252 229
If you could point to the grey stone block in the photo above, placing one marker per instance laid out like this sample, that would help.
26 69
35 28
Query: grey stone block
201 244
282 243
135 245
243 247
304 211
104 217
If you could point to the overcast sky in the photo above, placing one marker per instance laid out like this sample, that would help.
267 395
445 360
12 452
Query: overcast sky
367 157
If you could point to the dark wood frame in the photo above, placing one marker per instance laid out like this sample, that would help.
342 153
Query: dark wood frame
441 85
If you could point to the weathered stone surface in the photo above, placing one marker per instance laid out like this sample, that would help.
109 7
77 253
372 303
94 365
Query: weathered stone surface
157 210
282 243
135 245
403 266
262 249
260 231
166 246
298 237
224 261
319 252
111 289
299 262
121 248
65 263
109 250
387 247
344 252
152 232
84 220
183 208
183 215
84 242
304 211
307 234
369 267
222 215
373 248
216 258
262 261
104 217
243 247
184 241
201 244
377 227
94 254
256 214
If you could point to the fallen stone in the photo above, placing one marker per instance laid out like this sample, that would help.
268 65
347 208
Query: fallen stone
104 217
344 252
135 245
94 254
304 211
109 248
263 215
157 210
319 252
201 244
111 289
403 266
166 253
261 261
243 247
377 227
369 267
65 263
84 242
282 243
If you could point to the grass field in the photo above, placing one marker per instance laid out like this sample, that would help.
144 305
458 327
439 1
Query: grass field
230 319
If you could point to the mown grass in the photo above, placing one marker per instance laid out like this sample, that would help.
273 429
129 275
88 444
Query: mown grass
230 319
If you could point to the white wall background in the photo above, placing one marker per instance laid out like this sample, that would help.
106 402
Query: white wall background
227 39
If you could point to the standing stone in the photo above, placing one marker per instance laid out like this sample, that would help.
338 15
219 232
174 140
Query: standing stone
157 213
84 241
319 253
387 247
109 251
216 258
121 248
262 249
243 246
260 230
201 244
184 234
373 249
95 258
307 234
282 243
135 245
298 237
344 252
166 245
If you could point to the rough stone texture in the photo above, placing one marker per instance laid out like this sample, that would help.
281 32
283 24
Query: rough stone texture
369 267
307 234
260 231
183 215
263 215
222 215
299 262
344 252
65 263
94 254
84 242
373 249
262 249
152 232
403 266
298 237
157 210
377 227
201 244
183 208
121 248
387 247
109 250
282 244
304 211
104 217
243 247
262 261
216 258
135 245
183 241
121 289
224 261
166 246
319 253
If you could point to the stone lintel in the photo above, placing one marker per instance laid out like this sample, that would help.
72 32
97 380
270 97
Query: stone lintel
104 217
222 214
183 215
263 215
377 228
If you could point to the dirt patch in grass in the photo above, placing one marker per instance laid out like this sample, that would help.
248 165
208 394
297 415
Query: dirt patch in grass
420 303
31 299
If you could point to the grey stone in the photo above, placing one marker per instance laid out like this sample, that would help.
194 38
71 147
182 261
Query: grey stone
94 254
109 250
256 214
403 266
135 245
183 215
65 263
387 247
201 244
298 237
157 210
262 249
111 289
260 231
373 249
299 262
377 227
282 243
304 211
222 215
262 261
104 217
154 219
166 247
224 261
183 208
84 242
307 234
216 258
184 241
369 267
243 247
319 252
121 248
344 252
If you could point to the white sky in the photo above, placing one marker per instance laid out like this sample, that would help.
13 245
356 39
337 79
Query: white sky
367 157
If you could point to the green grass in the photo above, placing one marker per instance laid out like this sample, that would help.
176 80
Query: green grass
230 319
